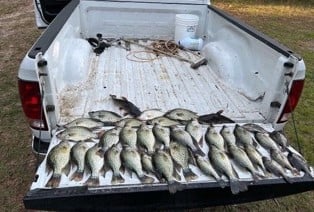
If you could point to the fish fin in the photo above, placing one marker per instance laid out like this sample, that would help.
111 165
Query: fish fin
174 186
236 186
221 182
122 169
255 144
92 181
66 169
177 166
189 175
116 179
201 142
176 175
54 181
77 175
159 177
191 159
199 151
146 179
106 168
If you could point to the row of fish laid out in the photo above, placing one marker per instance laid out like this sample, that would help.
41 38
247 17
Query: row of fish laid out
176 116
158 154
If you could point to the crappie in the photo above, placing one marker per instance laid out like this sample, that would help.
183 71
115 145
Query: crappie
243 160
275 169
164 167
126 105
146 138
94 159
132 160
280 139
76 134
78 152
105 116
113 160
228 135
265 141
180 114
195 130
254 128
150 114
128 136
208 170
131 122
181 136
242 135
163 121
110 138
282 160
254 156
162 134
180 155
214 118
213 138
85 122
58 161
222 164
147 163
299 163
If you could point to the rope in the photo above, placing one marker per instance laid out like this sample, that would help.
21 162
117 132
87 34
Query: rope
139 59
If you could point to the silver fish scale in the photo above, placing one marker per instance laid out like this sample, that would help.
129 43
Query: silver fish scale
78 152
147 163
110 138
162 134
95 160
164 165
59 157
212 137
180 154
132 160
181 114
128 136
221 162
85 122
76 133
113 159
146 138
195 130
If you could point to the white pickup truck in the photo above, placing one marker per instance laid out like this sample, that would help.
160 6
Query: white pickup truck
67 74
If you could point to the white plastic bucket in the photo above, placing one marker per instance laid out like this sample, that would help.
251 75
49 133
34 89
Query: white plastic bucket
186 26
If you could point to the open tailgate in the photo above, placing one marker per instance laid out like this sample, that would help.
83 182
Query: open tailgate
132 195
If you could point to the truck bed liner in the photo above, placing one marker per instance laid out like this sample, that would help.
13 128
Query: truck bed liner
163 83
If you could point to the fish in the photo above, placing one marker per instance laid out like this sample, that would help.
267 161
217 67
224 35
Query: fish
147 163
184 138
274 168
109 138
85 122
243 136
254 128
163 121
107 117
265 141
213 138
254 156
214 118
222 165
280 139
241 158
94 160
299 163
76 133
150 114
58 160
162 134
164 167
146 138
126 105
282 160
206 167
180 114
132 122
180 155
128 137
112 158
195 129
132 160
78 152
228 135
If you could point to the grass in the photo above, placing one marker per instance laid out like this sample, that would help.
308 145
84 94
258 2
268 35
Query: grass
292 24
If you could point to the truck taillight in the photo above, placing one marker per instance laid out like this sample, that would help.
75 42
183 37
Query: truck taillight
292 100
31 103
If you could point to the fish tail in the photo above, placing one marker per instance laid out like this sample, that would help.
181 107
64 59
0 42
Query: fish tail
77 176
54 181
287 179
198 151
221 182
146 179
174 186
117 179
189 175
92 181
236 186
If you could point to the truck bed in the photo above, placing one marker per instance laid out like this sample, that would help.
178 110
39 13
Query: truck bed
160 82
